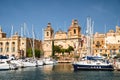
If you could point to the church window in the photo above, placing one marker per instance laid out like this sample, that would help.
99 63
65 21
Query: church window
7 43
74 31
47 33
96 50
1 43
13 43
105 50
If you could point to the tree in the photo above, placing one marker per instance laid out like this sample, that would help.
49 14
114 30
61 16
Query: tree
69 49
37 53
57 49
30 53
62 51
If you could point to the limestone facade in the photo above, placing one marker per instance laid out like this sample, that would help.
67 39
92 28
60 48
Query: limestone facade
108 43
16 45
61 38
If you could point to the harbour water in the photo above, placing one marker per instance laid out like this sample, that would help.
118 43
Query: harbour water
57 72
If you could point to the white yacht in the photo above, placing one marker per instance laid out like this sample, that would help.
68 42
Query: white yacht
5 64
49 61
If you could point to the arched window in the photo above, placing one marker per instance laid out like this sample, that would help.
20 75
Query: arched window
13 43
74 31
47 33
1 43
7 43
98 44
105 50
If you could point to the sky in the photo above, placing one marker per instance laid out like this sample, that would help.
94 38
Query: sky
59 13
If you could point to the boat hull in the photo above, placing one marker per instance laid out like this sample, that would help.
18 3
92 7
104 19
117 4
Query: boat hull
93 67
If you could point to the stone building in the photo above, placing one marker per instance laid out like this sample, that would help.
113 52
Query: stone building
16 45
61 38
108 43
99 44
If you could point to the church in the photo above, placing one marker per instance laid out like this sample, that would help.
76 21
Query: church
64 39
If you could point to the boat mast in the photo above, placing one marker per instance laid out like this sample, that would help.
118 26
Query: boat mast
33 43
89 32
105 37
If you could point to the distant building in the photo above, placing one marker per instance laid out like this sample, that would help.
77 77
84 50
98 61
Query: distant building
61 38
16 45
108 43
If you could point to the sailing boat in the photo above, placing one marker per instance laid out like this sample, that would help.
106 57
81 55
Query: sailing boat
28 62
37 62
91 62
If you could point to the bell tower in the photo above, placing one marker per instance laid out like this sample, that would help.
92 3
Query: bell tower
2 34
48 32
74 30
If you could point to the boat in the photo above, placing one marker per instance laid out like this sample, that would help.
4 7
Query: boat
49 61
89 61
29 62
5 64
19 63
40 62
93 63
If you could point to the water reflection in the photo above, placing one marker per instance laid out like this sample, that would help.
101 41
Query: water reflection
59 71
62 67
48 68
